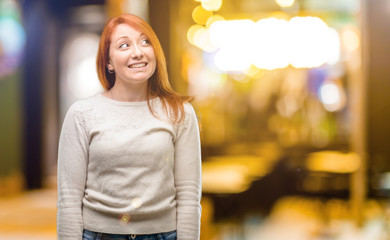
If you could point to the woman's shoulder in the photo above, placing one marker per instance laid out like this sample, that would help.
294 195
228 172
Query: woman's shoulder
190 115
83 105
80 105
189 108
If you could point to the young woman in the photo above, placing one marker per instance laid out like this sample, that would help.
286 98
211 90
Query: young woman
129 162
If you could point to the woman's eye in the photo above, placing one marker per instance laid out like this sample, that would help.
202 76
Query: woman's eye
124 45
145 42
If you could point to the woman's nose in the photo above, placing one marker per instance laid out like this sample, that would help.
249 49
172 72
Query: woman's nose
137 52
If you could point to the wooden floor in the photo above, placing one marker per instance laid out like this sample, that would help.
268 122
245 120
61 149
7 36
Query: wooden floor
29 215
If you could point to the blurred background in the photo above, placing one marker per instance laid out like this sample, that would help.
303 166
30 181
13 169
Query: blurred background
292 99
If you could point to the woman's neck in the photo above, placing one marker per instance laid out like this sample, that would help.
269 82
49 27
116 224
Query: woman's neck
134 93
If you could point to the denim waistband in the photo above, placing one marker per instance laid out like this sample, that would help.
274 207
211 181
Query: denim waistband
109 236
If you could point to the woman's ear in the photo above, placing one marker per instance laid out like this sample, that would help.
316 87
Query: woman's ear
110 67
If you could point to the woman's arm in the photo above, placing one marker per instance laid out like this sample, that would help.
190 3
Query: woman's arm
188 178
71 177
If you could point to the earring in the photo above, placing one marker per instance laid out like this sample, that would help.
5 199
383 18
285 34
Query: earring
110 71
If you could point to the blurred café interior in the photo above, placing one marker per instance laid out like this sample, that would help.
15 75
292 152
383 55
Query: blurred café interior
292 98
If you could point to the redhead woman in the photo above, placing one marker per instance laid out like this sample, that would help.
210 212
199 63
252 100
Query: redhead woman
129 162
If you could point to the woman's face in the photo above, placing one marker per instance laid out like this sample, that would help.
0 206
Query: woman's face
131 56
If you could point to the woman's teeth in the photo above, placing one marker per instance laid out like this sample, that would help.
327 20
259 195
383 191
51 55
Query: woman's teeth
137 65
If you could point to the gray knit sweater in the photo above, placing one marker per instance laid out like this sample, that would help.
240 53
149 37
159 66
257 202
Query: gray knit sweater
122 170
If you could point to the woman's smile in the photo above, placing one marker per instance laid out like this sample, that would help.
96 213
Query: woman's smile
139 66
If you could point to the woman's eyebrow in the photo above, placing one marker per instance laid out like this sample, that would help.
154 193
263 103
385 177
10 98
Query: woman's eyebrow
142 35
120 38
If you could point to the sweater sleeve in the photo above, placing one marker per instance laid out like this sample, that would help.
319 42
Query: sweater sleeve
71 177
188 177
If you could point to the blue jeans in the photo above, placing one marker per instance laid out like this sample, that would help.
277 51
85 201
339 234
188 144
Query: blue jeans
90 235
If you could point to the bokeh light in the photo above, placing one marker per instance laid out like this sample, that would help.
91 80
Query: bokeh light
234 49
211 5
12 37
136 202
204 82
213 19
192 31
78 61
124 219
333 161
270 46
87 80
311 42
329 93
350 40
332 96
201 15
285 3
271 43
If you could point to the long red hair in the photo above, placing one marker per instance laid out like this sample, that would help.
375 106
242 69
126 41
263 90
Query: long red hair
158 84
